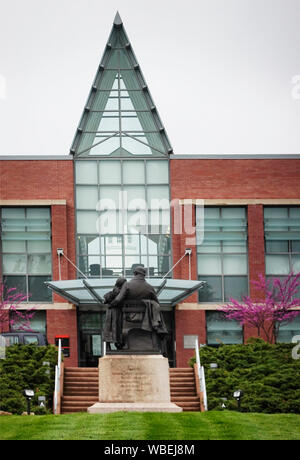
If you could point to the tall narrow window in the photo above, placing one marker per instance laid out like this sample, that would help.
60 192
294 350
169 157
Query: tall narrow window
282 240
223 254
134 227
282 253
121 152
26 251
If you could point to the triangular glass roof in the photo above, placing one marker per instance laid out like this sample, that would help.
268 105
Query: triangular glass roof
120 118
91 291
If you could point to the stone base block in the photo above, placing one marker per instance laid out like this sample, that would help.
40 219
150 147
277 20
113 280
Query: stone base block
102 408
138 383
134 379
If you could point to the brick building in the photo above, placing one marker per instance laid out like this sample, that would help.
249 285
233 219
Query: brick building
79 221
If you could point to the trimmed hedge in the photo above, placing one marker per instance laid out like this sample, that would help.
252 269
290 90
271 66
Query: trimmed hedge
267 374
23 368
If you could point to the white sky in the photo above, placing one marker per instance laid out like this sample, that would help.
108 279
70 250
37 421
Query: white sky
220 71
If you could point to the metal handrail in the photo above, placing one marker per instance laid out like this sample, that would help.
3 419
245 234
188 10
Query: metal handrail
201 374
57 378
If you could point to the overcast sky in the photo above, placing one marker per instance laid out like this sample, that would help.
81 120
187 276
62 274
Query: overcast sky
224 74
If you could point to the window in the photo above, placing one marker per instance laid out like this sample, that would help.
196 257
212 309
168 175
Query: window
31 339
133 227
120 118
222 256
289 330
282 240
26 251
37 323
220 330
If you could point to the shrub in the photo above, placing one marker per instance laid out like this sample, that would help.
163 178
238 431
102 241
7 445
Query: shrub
23 368
267 374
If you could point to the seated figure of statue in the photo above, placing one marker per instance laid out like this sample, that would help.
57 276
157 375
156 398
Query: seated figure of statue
143 328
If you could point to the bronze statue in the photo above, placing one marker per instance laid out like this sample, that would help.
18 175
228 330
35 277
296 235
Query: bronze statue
135 320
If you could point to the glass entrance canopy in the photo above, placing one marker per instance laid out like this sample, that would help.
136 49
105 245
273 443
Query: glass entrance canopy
84 292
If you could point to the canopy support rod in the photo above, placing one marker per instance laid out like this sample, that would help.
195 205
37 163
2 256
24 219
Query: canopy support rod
60 252
187 253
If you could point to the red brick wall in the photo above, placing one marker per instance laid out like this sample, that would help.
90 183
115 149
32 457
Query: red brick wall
48 180
188 322
227 179
266 178
64 322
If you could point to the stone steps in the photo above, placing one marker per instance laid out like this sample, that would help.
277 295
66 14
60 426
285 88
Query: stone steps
81 389
183 389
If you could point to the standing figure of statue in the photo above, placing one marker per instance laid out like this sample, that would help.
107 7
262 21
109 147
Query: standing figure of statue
112 332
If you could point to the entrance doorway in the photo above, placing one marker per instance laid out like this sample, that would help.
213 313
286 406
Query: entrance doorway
90 326
90 342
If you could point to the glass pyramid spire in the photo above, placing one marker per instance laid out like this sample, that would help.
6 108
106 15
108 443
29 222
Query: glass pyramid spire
120 118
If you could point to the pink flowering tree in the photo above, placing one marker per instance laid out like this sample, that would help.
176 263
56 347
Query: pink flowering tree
10 313
273 309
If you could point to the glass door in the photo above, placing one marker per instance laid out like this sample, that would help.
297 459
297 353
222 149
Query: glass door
90 326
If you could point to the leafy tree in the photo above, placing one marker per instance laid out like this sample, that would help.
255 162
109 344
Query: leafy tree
10 313
269 313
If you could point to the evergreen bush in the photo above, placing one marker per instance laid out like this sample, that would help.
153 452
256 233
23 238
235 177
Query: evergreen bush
266 373
25 367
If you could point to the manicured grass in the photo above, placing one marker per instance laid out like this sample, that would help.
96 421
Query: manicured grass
211 425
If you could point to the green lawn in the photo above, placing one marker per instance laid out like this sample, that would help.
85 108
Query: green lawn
152 426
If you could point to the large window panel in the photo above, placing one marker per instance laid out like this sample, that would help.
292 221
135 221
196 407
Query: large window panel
39 246
39 263
210 264
129 230
109 172
14 263
88 244
37 290
277 264
235 287
111 192
86 197
211 290
157 172
133 172
87 221
222 254
19 283
296 263
135 144
136 196
221 330
26 251
282 240
156 194
234 264
289 330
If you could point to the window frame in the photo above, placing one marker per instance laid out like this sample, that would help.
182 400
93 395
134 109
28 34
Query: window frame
221 253
28 275
147 183
288 253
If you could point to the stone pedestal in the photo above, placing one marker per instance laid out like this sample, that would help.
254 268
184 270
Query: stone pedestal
134 383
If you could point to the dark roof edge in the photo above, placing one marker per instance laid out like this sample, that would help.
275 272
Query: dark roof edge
256 156
36 157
